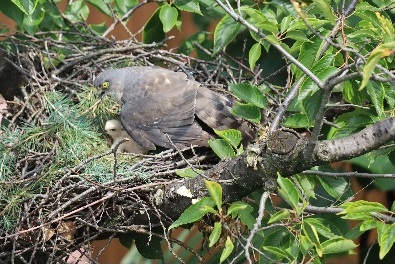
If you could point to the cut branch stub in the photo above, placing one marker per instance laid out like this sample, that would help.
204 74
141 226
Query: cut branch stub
282 141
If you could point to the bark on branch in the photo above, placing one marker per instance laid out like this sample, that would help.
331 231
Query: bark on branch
282 153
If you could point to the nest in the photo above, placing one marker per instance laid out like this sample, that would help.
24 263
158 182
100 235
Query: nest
61 187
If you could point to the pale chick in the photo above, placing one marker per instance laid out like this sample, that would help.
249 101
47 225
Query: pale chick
115 129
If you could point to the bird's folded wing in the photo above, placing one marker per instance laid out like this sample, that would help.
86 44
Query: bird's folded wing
215 110
161 102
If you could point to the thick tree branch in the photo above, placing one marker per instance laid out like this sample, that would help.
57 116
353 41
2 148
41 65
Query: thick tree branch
282 153
357 144
349 174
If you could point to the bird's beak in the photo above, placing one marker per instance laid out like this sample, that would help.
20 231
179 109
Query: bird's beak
101 95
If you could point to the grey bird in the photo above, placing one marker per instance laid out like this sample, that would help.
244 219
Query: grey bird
164 108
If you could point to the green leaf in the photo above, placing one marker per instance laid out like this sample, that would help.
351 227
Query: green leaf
358 216
351 122
386 237
222 148
352 95
77 11
289 193
102 6
326 10
337 245
306 57
376 93
189 44
12 11
215 234
364 6
298 120
26 6
227 250
247 111
126 239
189 173
277 252
249 93
363 33
323 69
262 20
240 150
226 31
195 212
373 19
254 54
362 206
335 187
215 191
297 35
285 22
313 22
31 23
148 246
305 244
321 226
243 211
368 225
272 40
389 94
50 62
248 220
189 6
307 184
311 106
376 55
52 19
238 207
153 30
122 6
386 26
309 87
311 233
232 136
277 237
354 233
99 29
168 15
282 214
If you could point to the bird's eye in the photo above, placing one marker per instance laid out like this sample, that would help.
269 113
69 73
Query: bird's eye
105 85
112 129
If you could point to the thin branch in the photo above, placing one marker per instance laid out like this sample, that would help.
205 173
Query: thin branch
257 225
287 55
337 210
284 106
318 122
102 52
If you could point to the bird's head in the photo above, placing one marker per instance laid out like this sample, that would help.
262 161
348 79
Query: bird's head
110 82
113 128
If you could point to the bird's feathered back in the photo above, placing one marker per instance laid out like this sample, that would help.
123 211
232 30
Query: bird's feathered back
161 107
